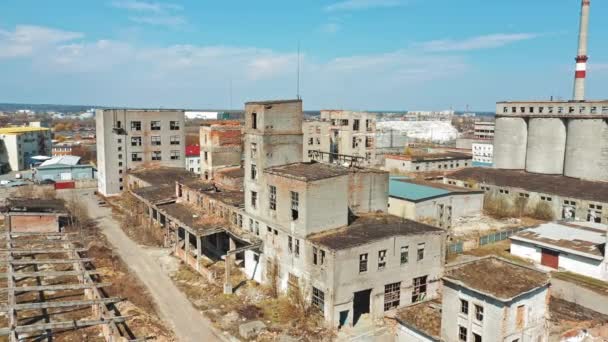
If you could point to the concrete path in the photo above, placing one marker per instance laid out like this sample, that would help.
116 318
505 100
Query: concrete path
174 307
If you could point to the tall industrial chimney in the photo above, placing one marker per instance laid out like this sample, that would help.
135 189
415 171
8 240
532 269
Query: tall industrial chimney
581 58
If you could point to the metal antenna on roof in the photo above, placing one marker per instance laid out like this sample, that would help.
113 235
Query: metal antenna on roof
298 74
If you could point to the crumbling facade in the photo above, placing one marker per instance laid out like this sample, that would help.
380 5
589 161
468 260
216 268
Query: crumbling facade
221 147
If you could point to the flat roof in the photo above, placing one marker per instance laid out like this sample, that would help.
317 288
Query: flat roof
61 160
417 190
420 157
546 184
232 198
369 228
271 102
497 278
423 317
308 172
585 240
156 194
193 218
163 175
21 130
237 172
35 205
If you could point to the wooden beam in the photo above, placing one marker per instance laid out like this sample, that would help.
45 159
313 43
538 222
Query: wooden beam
47 274
48 261
42 251
62 325
64 304
54 287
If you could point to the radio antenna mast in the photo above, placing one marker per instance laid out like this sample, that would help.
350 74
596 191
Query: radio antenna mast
298 74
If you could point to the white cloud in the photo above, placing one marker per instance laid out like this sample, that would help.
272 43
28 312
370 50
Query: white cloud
27 39
354 5
152 13
475 43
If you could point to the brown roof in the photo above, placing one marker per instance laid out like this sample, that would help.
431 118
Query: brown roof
308 172
193 219
236 172
423 317
546 184
497 278
156 194
232 198
35 205
370 228
271 102
431 156
163 175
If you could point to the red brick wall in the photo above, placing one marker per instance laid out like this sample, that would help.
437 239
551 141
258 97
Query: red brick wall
42 223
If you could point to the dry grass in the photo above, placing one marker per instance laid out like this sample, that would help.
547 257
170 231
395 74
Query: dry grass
593 284
501 249
128 211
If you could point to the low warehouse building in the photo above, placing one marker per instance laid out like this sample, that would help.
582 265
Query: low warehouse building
433 202
568 198
63 168
444 161
34 215
576 247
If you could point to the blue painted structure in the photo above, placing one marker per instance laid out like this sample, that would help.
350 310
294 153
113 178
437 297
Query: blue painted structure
411 191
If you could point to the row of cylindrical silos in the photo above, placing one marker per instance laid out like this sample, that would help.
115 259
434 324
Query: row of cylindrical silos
573 147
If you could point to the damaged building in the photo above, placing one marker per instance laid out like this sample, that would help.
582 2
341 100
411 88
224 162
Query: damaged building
34 215
221 147
317 227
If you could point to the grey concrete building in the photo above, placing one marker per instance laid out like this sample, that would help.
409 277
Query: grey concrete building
132 138
568 198
316 138
221 147
484 130
352 134
442 161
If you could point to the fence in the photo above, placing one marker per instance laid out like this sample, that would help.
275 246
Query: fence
459 246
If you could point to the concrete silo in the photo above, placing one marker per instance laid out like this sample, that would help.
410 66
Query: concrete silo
546 145
510 140
587 149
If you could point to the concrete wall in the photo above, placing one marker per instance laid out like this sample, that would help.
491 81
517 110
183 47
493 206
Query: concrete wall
80 172
499 319
405 334
18 148
221 147
33 223
510 141
570 262
348 280
367 191
316 137
546 146
461 204
114 150
424 166
580 295
343 133
587 149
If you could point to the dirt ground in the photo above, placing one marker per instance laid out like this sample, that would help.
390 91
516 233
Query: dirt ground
478 225
567 319
126 211
250 302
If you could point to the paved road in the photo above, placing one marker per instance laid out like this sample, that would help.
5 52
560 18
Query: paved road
174 307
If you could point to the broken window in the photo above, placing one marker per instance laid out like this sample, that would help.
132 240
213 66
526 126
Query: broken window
205 156
293 282
420 251
156 155
272 197
354 142
369 141
257 228
136 157
477 338
254 172
363 263
464 307
155 125
318 299
392 294
254 120
315 259
404 254
289 244
419 292
368 127
174 140
297 249
174 125
254 199
174 155
355 124
322 261
479 312
295 204
382 259
155 140
310 141
135 141
136 125
520 317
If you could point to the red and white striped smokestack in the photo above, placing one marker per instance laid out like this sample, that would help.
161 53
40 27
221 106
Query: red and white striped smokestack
581 58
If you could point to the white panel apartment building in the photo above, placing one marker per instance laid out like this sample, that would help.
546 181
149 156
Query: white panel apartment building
130 138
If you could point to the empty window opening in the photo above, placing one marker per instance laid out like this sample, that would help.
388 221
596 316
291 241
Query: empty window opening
318 299
420 251
136 125
295 204
479 312
464 307
174 125
405 255
363 263
419 292
254 120
155 125
272 197
382 259
254 172
254 199
462 334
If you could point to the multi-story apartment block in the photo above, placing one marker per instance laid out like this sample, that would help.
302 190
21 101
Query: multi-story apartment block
352 134
131 138
484 130
19 144
483 153
193 159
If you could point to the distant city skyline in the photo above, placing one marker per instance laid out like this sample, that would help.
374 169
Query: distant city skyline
355 54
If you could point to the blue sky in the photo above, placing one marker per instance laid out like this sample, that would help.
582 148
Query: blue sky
355 54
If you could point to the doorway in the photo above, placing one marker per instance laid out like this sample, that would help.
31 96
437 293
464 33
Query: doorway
361 304
549 258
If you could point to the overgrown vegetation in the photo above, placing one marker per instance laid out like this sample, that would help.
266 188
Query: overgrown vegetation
129 212
501 207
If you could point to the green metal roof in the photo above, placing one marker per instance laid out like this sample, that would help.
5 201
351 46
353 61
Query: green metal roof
401 188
